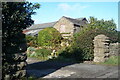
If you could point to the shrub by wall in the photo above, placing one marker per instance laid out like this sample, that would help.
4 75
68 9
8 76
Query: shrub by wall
71 52
49 37
84 40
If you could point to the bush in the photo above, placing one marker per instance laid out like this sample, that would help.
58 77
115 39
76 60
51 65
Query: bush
84 40
49 37
39 53
30 50
72 52
31 40
43 52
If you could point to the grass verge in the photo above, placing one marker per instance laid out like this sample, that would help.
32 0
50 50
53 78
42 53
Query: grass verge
112 61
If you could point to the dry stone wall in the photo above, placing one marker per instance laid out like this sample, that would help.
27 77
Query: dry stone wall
114 49
103 49
14 60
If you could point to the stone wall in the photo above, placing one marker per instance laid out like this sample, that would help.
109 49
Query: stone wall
14 58
103 49
114 49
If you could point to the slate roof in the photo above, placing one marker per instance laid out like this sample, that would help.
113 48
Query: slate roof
33 32
34 29
41 26
78 21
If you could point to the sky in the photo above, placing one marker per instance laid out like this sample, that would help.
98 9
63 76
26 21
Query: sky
53 11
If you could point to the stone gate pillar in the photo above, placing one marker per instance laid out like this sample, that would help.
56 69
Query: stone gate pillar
101 48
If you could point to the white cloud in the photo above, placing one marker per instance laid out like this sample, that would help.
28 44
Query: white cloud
37 21
68 7
64 6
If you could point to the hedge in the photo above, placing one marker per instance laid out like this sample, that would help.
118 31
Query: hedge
85 41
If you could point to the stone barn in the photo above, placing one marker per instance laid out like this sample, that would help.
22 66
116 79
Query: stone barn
68 26
65 25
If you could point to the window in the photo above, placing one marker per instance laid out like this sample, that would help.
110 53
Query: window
62 28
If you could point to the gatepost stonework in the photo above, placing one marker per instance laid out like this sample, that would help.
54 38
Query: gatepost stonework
101 48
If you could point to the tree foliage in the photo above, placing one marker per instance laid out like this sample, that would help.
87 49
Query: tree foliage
94 23
49 37
16 16
101 24
84 39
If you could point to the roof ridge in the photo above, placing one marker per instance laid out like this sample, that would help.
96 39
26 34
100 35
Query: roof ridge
75 18
68 17
46 23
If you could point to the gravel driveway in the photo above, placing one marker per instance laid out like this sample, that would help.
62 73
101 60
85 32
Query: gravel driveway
55 69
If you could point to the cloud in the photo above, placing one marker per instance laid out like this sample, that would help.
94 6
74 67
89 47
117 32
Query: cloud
37 21
68 7
64 6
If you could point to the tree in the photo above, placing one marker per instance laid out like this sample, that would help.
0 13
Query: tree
16 16
102 24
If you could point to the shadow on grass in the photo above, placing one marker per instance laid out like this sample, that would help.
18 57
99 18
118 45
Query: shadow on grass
41 69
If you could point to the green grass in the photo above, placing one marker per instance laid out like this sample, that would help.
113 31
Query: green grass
112 61
41 54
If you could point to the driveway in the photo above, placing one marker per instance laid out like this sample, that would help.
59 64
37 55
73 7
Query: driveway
57 69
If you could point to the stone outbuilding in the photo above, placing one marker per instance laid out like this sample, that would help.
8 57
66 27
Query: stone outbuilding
65 25
68 26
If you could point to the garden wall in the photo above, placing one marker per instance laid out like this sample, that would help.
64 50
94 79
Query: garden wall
14 60
114 49
103 49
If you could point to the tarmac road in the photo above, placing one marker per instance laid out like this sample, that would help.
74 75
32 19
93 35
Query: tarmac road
55 69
